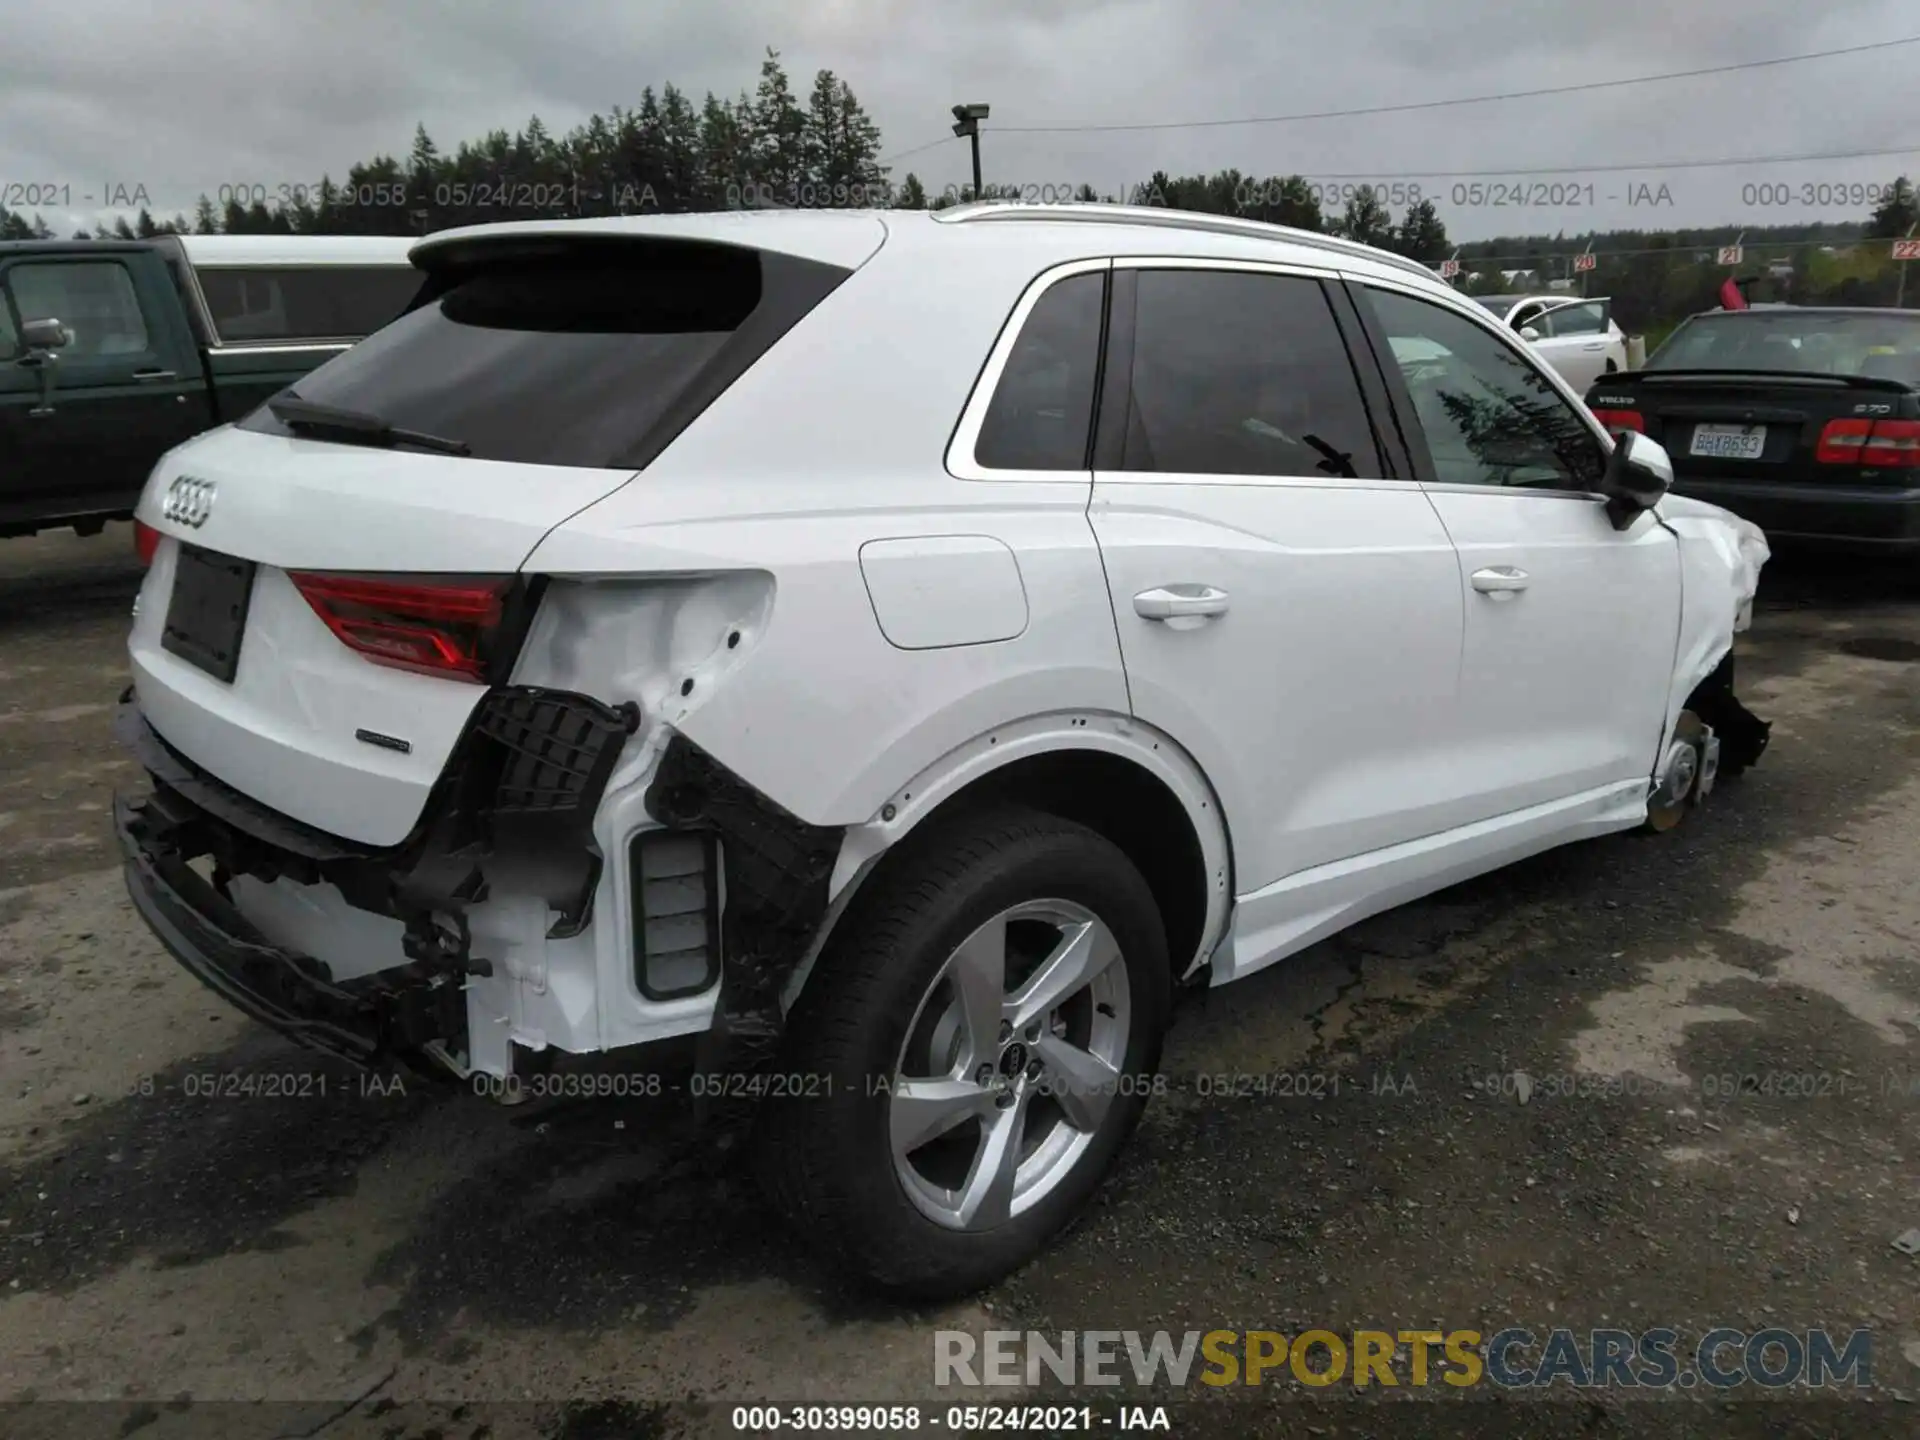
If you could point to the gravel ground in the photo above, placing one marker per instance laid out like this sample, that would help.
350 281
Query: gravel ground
312 1252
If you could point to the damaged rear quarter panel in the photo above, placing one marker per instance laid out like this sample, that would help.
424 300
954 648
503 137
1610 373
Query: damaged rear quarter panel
1720 560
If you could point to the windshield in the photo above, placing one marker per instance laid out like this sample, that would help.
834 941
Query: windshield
1883 344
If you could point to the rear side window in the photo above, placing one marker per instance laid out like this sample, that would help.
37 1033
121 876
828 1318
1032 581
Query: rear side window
588 356
1240 373
1041 416
314 302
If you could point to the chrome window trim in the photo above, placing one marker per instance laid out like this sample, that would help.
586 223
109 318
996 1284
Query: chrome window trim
279 347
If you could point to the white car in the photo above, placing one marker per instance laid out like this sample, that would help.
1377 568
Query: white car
1575 335
900 651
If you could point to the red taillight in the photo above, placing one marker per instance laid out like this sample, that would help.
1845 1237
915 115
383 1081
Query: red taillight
1841 440
146 540
1879 444
435 625
1621 420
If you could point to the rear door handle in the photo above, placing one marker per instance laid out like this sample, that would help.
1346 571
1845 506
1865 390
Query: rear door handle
1596 345
148 377
1500 581
1180 602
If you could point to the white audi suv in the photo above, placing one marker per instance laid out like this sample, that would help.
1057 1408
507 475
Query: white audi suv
891 655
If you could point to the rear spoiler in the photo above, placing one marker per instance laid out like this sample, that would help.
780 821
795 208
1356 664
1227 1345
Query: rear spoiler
1812 378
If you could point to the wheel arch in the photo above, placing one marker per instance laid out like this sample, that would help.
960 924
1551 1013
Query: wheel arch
1128 781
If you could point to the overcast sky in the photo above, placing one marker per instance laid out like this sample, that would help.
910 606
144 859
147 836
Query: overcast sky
183 97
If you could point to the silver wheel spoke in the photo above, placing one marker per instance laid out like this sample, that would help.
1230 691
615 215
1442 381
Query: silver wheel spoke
1081 1083
993 1033
1084 951
987 1196
924 1110
979 973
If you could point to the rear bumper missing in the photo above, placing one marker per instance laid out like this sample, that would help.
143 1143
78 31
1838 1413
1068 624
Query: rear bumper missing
291 993
521 790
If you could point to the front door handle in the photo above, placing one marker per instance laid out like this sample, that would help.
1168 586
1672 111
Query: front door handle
1501 581
1180 602
149 377
1596 345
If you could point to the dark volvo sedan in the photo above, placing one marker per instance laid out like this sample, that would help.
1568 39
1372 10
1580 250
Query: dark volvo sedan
1805 420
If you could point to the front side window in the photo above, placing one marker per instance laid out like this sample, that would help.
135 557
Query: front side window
1489 416
1241 373
1041 415
1587 319
315 302
94 299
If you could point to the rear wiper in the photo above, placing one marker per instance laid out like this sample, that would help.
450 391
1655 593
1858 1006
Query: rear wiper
357 426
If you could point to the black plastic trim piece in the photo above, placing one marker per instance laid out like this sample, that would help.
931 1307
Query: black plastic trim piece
777 867
716 930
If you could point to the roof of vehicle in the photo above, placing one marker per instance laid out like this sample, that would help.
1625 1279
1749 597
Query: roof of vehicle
1055 232
1770 306
215 251
59 247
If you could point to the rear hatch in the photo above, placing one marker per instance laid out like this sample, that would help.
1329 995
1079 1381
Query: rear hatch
334 586
1785 416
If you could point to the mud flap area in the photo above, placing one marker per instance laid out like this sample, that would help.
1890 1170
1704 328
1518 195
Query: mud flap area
1715 737
776 868
1742 735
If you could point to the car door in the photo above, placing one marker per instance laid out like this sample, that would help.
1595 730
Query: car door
1575 340
1571 625
124 389
1287 600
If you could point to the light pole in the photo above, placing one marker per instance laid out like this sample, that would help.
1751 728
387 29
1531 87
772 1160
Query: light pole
967 120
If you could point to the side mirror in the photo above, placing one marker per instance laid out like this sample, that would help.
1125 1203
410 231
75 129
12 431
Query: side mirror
1638 473
45 335
1529 332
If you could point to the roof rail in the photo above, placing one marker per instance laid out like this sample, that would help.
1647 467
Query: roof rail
1099 212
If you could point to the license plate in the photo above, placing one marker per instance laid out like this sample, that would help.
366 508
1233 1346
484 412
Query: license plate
207 612
1729 442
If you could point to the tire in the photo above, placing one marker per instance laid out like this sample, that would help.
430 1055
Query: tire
889 976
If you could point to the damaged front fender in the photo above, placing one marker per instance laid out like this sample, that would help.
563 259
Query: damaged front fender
1720 560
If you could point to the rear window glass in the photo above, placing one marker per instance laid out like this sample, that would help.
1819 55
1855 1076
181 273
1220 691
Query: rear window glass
592 358
315 302
1807 342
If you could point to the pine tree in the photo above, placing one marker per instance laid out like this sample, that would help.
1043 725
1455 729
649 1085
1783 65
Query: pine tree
779 136
1422 236
143 225
1366 219
1896 214
206 220
913 195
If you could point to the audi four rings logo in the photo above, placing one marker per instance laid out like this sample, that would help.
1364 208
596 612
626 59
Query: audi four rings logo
189 501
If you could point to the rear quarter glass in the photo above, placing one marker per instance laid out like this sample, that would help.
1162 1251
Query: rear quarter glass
595 356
